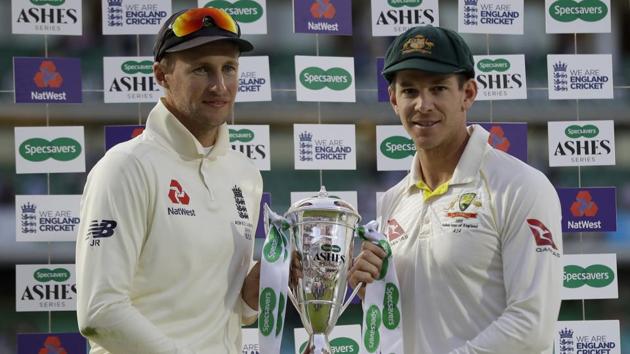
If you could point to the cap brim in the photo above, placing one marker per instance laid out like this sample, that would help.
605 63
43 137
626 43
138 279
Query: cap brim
423 64
243 45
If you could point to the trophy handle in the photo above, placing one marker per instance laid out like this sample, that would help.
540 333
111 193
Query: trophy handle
354 293
293 299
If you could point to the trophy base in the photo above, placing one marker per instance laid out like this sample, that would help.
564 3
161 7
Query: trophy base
317 344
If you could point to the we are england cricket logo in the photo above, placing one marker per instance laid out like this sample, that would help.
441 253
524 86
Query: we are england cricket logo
55 17
578 16
577 337
324 146
501 77
491 16
581 143
393 17
129 79
46 217
134 16
250 14
253 80
580 76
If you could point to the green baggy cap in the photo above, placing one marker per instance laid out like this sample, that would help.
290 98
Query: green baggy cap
431 49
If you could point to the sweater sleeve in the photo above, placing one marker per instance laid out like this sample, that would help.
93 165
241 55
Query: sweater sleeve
114 222
529 224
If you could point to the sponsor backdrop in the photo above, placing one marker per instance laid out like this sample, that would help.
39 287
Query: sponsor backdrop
129 79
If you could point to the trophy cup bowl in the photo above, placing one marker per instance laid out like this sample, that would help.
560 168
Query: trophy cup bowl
322 230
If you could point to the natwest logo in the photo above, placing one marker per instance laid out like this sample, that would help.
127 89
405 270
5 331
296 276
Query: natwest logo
47 76
584 205
52 345
323 9
176 194
498 140
542 236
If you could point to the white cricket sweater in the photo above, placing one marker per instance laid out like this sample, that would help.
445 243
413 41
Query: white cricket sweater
165 241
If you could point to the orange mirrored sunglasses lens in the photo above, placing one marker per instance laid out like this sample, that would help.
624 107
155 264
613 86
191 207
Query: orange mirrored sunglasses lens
192 20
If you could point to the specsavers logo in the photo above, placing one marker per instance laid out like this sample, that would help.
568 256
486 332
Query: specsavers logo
315 78
596 276
398 147
45 275
339 345
267 305
372 337
498 65
401 3
245 11
134 67
571 10
586 131
242 135
60 149
391 314
48 2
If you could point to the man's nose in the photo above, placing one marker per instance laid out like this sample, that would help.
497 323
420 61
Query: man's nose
217 82
424 103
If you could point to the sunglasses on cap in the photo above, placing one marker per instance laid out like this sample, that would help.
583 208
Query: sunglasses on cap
193 20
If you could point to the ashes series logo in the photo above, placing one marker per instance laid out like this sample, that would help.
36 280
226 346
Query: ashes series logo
581 143
501 77
253 141
393 17
54 17
45 288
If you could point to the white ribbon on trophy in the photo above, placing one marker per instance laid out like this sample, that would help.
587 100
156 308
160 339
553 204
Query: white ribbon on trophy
382 322
274 277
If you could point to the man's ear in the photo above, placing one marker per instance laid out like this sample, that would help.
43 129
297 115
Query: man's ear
470 93
160 74
391 91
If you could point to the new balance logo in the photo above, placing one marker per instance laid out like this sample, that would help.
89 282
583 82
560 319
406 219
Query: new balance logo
100 229
177 195
541 233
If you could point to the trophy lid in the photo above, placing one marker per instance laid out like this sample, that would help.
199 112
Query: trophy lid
323 202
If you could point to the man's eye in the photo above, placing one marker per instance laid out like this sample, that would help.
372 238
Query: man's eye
230 69
200 70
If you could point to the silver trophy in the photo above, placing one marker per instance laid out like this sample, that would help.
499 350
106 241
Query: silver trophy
322 230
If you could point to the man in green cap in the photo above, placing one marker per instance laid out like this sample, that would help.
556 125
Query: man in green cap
475 233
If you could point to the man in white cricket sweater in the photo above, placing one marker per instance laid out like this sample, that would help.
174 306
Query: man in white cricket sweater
475 233
164 250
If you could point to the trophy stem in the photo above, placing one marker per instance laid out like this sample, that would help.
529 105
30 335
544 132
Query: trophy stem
317 344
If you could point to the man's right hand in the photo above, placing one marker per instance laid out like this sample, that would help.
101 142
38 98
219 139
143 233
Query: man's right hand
366 266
